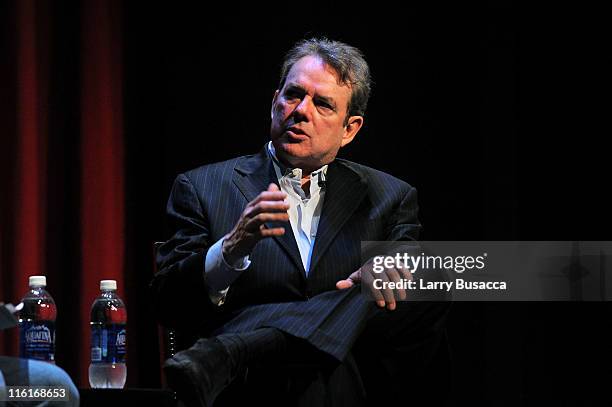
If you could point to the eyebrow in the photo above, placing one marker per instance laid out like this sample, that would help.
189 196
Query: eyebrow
326 99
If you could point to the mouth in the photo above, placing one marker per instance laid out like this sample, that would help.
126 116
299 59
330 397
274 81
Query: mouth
295 133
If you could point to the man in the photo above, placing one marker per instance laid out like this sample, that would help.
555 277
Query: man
265 260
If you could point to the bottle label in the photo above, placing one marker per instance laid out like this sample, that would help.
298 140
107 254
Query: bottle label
37 340
108 343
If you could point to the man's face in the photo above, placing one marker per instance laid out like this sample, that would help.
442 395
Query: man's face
308 115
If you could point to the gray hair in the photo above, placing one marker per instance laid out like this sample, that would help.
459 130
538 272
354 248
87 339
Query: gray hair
348 62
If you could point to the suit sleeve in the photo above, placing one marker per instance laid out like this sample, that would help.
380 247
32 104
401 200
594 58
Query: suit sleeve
179 289
404 224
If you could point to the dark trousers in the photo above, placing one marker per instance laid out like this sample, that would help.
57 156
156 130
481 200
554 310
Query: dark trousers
346 351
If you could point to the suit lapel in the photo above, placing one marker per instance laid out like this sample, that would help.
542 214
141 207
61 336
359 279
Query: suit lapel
252 175
345 190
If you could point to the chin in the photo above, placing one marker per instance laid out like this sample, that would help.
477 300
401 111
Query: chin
294 154
290 147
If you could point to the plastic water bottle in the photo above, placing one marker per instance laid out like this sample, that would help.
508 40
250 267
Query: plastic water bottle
108 339
37 322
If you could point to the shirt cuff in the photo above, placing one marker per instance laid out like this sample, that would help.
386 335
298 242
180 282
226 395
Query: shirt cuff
219 274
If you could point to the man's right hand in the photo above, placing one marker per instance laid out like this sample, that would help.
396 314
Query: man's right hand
365 276
266 207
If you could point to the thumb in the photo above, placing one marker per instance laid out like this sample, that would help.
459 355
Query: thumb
344 284
350 281
273 187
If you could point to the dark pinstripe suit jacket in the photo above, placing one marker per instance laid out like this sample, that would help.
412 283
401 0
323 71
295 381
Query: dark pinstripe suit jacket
360 204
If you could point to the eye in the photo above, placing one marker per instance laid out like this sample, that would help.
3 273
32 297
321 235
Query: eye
292 94
325 106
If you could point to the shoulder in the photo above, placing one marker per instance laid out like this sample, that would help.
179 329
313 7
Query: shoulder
375 179
218 170
212 168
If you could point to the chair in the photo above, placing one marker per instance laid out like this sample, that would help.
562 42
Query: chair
166 337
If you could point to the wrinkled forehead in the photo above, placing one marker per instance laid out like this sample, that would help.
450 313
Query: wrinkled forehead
313 75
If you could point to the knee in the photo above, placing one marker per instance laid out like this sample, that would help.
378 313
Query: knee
408 320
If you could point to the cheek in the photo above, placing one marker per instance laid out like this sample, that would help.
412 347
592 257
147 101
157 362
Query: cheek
332 133
278 116
282 110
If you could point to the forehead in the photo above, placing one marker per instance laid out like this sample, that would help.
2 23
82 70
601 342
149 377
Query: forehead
316 77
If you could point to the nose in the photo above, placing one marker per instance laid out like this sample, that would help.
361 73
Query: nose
302 110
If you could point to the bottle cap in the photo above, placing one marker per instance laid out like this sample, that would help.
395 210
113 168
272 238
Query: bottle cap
106 285
37 281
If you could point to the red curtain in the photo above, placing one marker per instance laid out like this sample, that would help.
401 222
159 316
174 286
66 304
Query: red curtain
24 218
102 186
32 202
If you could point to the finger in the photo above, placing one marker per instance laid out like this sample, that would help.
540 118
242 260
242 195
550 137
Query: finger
354 278
406 274
268 206
344 284
269 196
271 217
368 280
273 187
394 276
387 293
253 225
269 232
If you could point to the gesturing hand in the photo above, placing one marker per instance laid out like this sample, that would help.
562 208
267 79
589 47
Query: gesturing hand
385 296
266 207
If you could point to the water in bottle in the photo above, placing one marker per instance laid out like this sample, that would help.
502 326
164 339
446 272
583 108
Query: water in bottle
37 322
108 339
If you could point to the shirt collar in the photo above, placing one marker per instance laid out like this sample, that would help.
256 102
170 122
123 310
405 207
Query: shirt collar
284 171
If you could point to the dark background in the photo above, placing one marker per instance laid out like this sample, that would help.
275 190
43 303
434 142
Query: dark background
497 113
492 112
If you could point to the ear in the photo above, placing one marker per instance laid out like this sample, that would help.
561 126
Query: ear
273 103
350 131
